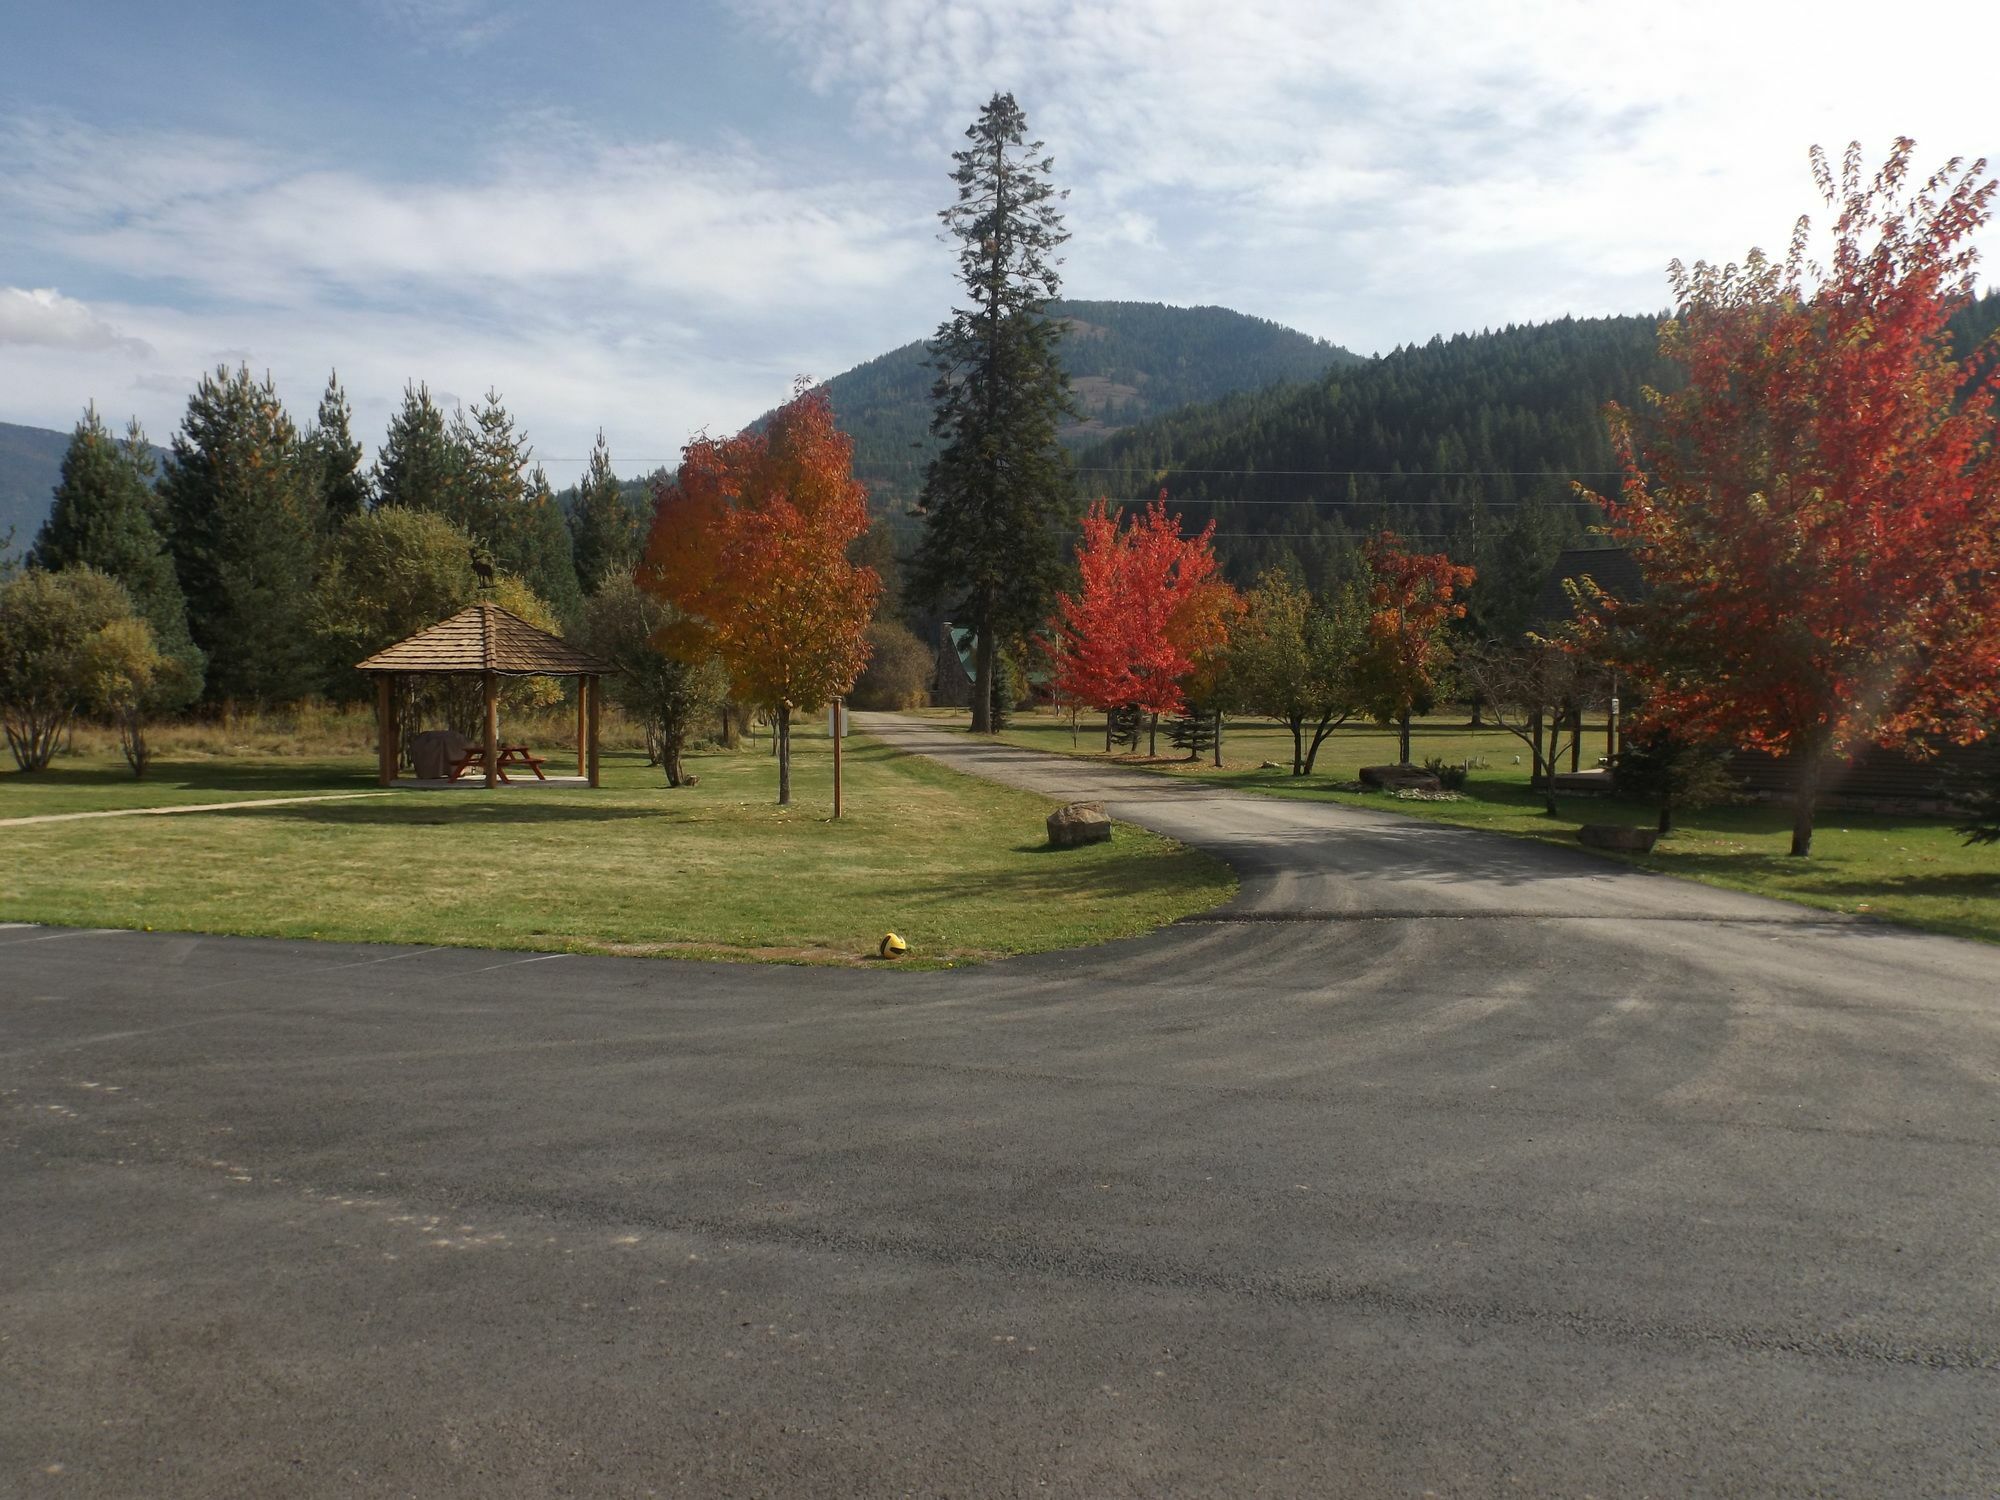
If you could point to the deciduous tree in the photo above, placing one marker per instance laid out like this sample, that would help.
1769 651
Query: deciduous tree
1150 617
1296 658
71 643
665 695
749 544
1411 602
1817 509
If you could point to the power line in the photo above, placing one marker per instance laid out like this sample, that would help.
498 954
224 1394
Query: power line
1170 469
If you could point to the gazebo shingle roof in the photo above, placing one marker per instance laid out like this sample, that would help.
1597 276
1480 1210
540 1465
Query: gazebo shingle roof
486 638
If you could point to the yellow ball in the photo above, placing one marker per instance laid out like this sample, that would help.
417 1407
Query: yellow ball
892 946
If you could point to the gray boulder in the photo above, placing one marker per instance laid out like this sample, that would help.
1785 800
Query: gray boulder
1079 823
1618 836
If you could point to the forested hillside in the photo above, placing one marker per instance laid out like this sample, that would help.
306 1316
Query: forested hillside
1127 361
1470 444
30 464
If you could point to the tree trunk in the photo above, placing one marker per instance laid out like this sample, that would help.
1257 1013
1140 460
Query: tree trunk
982 680
1152 736
670 759
1666 815
1218 739
781 736
1403 736
132 740
1805 800
1540 768
1576 741
1107 731
732 732
1298 728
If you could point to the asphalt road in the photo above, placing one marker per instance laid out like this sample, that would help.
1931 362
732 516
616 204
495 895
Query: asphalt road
1436 1164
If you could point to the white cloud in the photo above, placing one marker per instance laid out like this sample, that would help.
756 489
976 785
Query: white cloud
1378 173
655 221
646 287
45 317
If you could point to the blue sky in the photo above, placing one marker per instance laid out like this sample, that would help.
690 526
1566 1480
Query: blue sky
651 217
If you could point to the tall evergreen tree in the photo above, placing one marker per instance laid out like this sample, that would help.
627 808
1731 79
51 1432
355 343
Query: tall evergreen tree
333 457
512 512
421 465
106 516
542 553
604 530
243 522
996 502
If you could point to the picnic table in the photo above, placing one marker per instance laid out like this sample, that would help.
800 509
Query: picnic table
510 755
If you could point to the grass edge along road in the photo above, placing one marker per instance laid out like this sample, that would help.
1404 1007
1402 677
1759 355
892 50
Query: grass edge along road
955 864
1911 870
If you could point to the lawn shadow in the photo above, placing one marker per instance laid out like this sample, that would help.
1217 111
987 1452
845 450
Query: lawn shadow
386 812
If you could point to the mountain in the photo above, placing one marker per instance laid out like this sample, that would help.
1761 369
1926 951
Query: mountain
30 466
1473 444
1127 362
1470 444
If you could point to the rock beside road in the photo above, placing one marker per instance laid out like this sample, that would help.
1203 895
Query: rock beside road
1399 779
1079 823
1618 836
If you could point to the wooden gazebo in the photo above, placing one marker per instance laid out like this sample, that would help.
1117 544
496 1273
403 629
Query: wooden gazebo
487 642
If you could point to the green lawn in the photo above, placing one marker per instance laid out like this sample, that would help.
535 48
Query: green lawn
954 864
1912 870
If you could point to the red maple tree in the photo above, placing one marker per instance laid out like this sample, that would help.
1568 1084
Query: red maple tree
749 544
1411 602
1817 510
1150 615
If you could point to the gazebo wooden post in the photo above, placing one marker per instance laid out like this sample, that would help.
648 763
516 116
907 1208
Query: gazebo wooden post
590 694
385 731
582 725
492 684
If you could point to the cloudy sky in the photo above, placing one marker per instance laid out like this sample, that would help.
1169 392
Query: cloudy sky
652 216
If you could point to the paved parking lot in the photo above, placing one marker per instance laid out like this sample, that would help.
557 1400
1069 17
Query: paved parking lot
1436 1164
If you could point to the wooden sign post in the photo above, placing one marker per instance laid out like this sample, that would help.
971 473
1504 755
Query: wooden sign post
839 734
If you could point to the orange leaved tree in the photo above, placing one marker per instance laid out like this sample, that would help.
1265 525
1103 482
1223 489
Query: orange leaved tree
1150 618
1817 510
1411 603
749 545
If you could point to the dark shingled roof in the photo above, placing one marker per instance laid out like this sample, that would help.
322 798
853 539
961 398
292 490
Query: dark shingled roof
486 638
1612 569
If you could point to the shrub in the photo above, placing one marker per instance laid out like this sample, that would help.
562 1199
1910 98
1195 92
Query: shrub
899 670
1450 777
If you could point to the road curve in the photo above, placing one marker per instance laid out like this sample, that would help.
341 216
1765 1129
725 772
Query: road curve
1434 1164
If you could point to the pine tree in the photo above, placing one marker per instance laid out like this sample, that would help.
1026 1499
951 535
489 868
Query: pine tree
334 458
543 556
605 532
243 522
105 516
996 502
421 465
511 512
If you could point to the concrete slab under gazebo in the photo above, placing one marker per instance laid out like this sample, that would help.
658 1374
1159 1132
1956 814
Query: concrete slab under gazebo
487 642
